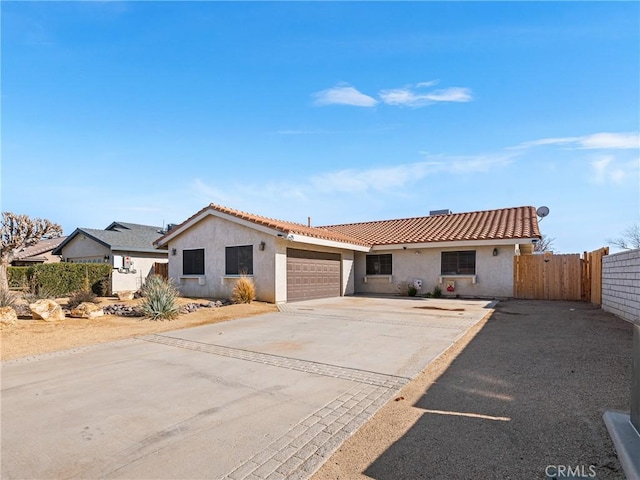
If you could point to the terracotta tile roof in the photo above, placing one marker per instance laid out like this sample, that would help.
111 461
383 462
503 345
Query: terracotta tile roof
291 227
505 223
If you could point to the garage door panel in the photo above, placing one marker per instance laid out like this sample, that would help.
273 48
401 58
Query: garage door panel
312 275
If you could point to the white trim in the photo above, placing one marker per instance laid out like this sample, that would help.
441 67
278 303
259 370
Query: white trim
202 279
326 243
474 278
453 244
366 278
210 212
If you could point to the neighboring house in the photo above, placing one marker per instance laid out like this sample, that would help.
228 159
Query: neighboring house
41 252
127 247
466 254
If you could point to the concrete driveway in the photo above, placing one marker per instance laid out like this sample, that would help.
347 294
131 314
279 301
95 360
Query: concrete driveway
266 397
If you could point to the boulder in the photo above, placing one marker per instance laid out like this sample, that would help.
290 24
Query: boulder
47 310
125 295
8 316
87 310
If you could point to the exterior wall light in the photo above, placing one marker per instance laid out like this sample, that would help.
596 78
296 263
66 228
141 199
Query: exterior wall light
261 246
495 252
173 251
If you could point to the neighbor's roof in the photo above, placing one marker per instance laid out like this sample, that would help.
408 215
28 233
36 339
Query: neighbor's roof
39 248
502 224
120 236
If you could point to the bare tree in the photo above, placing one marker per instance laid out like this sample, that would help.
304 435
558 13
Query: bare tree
629 240
545 244
19 231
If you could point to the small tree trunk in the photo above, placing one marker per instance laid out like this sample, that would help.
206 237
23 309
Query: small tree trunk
4 281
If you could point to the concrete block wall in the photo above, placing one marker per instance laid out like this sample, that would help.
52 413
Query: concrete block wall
621 284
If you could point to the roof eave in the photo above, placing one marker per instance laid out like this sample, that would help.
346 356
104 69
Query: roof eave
327 243
163 241
454 243
76 232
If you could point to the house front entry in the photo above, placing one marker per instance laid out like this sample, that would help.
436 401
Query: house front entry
312 275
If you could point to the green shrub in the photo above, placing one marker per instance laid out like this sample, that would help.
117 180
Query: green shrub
437 292
17 277
160 299
60 279
412 291
83 295
244 291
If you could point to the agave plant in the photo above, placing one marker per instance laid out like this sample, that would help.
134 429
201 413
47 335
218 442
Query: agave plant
160 299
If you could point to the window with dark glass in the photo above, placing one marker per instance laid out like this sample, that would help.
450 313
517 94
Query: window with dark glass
239 260
458 263
193 262
379 264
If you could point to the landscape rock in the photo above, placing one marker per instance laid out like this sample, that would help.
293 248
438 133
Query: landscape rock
8 316
87 310
47 310
125 295
123 310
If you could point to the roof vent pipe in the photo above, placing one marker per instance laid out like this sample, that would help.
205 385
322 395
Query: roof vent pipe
308 221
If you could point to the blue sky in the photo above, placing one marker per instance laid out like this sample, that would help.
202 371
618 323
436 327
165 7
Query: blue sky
147 111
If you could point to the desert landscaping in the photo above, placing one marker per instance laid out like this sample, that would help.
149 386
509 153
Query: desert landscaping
28 336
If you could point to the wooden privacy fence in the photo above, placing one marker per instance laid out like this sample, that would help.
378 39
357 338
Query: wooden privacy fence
559 277
592 275
161 269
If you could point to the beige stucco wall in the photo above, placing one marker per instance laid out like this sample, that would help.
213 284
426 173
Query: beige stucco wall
143 266
269 265
494 275
214 234
84 249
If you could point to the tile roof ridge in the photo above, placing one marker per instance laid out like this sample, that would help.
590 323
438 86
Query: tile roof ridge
248 215
427 216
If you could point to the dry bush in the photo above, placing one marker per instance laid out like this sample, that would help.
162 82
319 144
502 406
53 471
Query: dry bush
244 291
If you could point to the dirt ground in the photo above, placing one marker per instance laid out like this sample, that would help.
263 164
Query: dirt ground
523 390
32 337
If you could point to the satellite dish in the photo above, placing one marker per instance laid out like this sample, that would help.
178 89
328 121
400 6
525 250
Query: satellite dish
542 211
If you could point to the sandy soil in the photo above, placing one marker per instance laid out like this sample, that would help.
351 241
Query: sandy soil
32 337
523 389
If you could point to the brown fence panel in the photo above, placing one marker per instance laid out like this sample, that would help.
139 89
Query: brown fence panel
548 277
559 277
161 269
593 277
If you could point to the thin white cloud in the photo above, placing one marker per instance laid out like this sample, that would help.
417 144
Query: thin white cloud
378 179
411 96
453 94
611 140
394 179
596 141
408 96
606 169
343 95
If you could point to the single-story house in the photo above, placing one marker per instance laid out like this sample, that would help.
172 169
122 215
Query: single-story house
127 247
41 252
467 254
